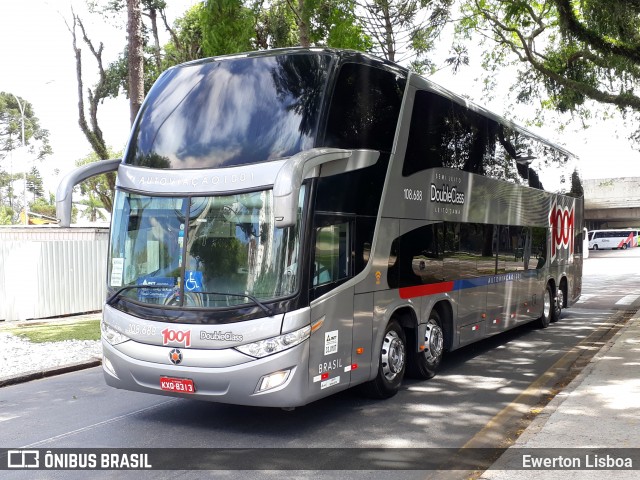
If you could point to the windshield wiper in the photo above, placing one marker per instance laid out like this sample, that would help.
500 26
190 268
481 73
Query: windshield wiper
264 308
118 292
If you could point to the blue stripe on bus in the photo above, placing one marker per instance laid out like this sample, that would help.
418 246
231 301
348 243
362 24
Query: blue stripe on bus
445 287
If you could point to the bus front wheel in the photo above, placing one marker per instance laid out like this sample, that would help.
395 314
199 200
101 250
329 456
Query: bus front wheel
392 365
424 364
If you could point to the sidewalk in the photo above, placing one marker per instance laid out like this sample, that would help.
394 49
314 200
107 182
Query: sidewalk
600 408
22 360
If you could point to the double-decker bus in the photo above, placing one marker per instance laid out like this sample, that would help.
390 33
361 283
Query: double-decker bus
291 223
613 238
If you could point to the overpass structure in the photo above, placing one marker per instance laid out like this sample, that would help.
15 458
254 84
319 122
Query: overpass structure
612 202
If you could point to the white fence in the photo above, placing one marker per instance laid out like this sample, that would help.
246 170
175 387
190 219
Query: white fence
51 271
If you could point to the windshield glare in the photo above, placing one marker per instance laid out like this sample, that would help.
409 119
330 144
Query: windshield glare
207 252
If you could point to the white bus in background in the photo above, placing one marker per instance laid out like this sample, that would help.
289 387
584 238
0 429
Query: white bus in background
613 238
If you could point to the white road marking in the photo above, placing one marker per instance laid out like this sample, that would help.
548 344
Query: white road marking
4 418
627 300
104 422
585 296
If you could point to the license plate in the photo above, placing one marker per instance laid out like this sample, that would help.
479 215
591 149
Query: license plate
182 385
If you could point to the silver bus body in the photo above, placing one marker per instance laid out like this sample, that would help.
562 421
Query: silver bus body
448 257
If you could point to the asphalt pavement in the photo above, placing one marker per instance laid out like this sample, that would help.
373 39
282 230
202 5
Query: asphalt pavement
597 414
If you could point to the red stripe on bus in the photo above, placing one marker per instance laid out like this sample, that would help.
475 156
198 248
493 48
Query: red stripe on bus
422 290
629 240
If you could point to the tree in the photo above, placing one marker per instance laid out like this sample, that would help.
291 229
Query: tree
34 183
135 57
576 185
186 37
44 207
6 215
93 206
13 110
227 27
404 29
567 50
100 186
16 113
95 95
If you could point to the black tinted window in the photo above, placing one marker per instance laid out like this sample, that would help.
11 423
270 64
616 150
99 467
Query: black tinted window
364 108
231 112
445 134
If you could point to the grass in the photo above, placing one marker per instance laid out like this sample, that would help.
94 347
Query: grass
57 332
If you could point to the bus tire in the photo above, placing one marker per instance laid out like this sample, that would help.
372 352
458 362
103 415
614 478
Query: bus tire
547 307
424 364
392 365
595 247
557 303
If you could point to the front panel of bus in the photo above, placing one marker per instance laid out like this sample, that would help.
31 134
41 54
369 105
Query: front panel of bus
207 297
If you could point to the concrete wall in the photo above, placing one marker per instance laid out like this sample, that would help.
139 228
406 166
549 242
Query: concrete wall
612 202
51 271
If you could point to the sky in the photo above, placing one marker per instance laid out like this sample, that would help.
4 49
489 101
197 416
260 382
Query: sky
37 63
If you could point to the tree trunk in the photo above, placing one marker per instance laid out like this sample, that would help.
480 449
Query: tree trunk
135 60
303 25
153 15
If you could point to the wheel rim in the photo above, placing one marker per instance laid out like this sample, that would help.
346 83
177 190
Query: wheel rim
560 300
393 355
433 342
547 304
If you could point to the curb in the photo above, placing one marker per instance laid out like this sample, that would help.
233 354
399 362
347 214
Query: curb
27 377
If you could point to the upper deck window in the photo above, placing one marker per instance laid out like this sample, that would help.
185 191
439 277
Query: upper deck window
230 112
365 108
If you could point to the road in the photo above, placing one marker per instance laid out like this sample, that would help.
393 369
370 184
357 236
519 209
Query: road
478 399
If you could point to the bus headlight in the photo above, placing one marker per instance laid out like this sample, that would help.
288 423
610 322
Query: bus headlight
277 344
111 335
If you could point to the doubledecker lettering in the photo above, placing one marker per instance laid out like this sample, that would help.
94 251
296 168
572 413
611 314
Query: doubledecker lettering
446 194
562 222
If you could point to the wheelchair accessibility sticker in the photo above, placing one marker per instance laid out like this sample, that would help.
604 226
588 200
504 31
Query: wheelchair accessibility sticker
193 281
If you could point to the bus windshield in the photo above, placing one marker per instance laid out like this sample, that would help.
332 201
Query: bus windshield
205 252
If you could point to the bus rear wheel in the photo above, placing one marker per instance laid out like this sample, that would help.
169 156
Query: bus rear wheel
558 303
392 365
547 307
424 364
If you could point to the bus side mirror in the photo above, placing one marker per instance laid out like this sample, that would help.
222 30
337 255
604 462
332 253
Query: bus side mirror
333 161
65 188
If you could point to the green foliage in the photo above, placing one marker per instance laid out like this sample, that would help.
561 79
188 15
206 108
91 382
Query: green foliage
567 51
102 187
227 27
14 112
44 207
11 118
186 44
339 27
92 208
7 215
576 185
34 183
